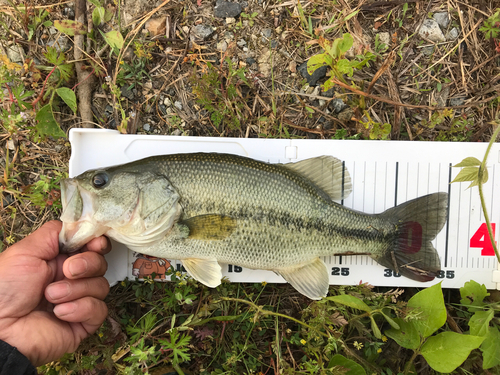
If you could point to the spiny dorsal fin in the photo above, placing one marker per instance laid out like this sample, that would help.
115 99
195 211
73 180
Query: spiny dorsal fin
327 172
209 227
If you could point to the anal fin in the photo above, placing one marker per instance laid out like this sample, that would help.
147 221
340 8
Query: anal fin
311 279
206 271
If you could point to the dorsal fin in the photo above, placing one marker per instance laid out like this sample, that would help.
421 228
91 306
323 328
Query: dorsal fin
327 172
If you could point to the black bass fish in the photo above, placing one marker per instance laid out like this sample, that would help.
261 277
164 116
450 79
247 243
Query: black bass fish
206 208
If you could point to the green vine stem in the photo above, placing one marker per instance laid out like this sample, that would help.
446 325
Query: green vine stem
178 369
410 362
482 168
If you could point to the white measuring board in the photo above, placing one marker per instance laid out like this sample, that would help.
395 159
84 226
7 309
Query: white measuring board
383 173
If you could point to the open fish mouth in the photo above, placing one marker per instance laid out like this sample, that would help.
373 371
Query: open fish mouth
77 217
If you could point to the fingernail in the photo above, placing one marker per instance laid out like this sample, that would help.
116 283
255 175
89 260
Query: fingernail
65 309
58 291
77 266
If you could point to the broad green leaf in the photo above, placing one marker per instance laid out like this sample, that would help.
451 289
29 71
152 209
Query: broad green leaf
328 84
334 49
340 360
480 322
108 14
47 124
70 27
467 174
430 309
407 336
345 43
375 329
95 3
448 350
98 15
468 162
317 61
68 96
491 348
114 39
344 67
350 301
473 294
330 47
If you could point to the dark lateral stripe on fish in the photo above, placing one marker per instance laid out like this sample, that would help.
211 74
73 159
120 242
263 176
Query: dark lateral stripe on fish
285 220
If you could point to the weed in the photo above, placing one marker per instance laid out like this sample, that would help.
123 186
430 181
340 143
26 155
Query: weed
376 130
136 72
46 191
249 17
491 27
219 93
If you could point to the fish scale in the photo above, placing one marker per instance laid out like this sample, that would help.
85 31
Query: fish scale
213 208
277 220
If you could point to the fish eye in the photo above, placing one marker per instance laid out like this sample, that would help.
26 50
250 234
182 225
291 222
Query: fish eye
100 180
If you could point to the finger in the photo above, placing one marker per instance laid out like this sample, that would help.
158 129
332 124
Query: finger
101 245
42 243
88 264
70 290
89 311
56 266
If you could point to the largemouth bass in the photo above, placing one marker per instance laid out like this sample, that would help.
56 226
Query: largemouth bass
207 208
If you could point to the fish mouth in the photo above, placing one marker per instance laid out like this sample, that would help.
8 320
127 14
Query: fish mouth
77 217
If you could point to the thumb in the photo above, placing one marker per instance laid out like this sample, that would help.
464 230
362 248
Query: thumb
42 243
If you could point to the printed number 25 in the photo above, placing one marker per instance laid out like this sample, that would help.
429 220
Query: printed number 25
337 271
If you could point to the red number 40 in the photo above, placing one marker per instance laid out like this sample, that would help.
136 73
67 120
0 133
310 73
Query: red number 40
482 239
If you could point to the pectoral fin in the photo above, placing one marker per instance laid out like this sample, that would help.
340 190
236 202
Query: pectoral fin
206 271
311 279
209 227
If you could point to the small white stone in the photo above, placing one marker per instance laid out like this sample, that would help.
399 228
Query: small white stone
178 105
384 38
452 34
167 102
442 18
13 54
146 127
321 102
222 46
430 30
230 20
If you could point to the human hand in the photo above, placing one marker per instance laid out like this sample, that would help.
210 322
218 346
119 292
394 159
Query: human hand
48 302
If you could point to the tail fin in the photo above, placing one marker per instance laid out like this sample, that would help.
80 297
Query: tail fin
418 222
